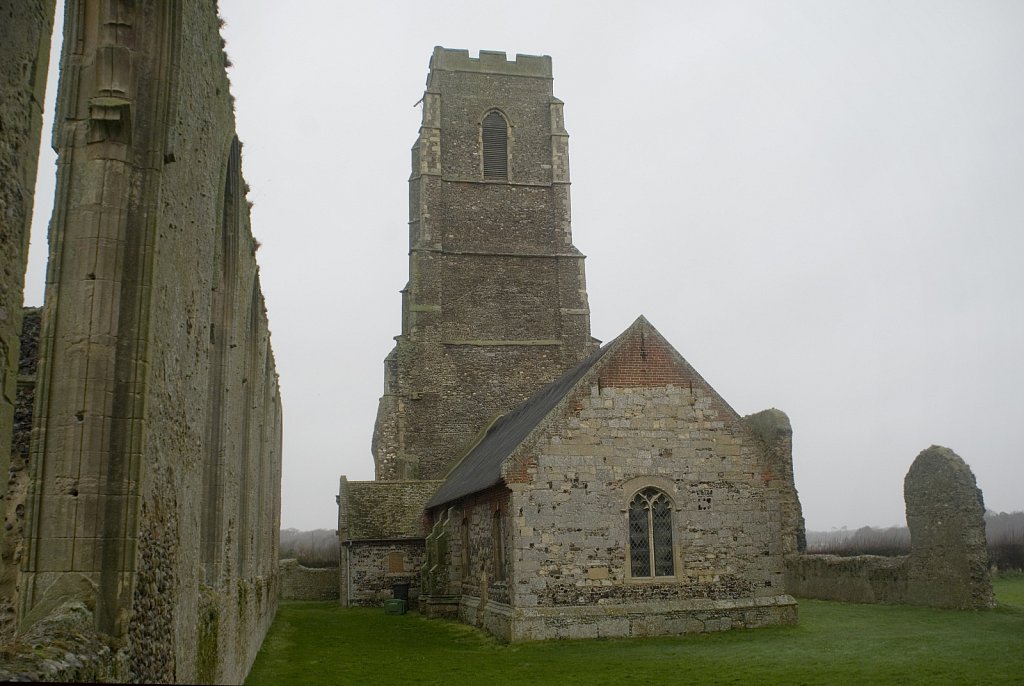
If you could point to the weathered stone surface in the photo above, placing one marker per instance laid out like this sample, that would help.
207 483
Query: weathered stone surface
25 29
304 583
380 531
857 579
16 492
156 449
772 427
948 561
948 565
370 569
548 553
496 303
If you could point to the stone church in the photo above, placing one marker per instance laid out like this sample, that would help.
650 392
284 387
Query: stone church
528 480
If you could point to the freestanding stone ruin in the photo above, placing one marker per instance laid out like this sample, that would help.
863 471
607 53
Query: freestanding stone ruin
142 531
948 561
948 565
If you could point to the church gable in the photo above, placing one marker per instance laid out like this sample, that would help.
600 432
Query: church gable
643 358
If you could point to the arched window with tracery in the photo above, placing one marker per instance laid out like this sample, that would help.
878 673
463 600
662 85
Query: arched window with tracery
650 534
495 146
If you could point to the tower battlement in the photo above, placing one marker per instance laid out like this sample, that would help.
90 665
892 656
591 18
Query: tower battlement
490 62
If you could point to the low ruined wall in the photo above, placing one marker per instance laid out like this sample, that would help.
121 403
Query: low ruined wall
859 579
948 562
304 583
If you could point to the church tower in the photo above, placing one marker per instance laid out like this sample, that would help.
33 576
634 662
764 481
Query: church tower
496 303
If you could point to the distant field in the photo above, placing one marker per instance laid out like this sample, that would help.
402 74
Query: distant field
835 643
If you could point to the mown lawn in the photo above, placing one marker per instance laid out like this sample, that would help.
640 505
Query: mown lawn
835 643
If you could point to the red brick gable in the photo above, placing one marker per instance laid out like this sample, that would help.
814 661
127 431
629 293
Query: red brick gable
643 358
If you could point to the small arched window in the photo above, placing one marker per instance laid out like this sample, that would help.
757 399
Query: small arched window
495 141
650 534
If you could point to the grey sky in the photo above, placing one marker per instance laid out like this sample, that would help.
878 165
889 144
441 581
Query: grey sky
820 204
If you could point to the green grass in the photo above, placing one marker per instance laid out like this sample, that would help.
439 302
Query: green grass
835 643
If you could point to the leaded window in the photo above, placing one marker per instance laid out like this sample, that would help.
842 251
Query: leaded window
650 534
495 140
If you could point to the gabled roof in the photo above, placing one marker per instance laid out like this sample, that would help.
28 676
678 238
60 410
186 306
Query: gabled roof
480 467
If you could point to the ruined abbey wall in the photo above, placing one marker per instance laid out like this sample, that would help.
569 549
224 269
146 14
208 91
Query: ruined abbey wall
25 29
153 500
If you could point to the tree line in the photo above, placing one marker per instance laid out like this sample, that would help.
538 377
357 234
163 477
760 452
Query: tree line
318 548
1003 531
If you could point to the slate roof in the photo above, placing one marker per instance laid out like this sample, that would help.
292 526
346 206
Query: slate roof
480 468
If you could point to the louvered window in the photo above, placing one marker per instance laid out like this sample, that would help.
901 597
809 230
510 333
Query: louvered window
650 534
495 137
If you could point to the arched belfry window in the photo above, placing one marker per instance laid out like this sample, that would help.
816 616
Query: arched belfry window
650 534
495 140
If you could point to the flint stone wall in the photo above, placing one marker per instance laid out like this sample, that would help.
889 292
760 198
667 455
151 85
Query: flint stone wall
25 30
305 583
155 456
496 303
370 569
646 420
16 497
381 532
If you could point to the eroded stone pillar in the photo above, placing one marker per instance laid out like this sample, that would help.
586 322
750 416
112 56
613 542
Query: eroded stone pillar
948 565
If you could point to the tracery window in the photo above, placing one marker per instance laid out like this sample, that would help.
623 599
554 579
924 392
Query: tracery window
495 144
650 534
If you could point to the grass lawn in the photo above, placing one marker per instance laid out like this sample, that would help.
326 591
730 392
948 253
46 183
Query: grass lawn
835 643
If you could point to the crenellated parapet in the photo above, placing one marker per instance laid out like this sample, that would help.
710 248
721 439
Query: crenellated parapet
490 62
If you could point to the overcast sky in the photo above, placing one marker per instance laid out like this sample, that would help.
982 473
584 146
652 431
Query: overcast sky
820 204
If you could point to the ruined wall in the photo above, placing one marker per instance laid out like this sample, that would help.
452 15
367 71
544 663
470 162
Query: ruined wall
772 429
948 561
496 303
948 564
25 29
154 498
16 493
857 579
304 583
